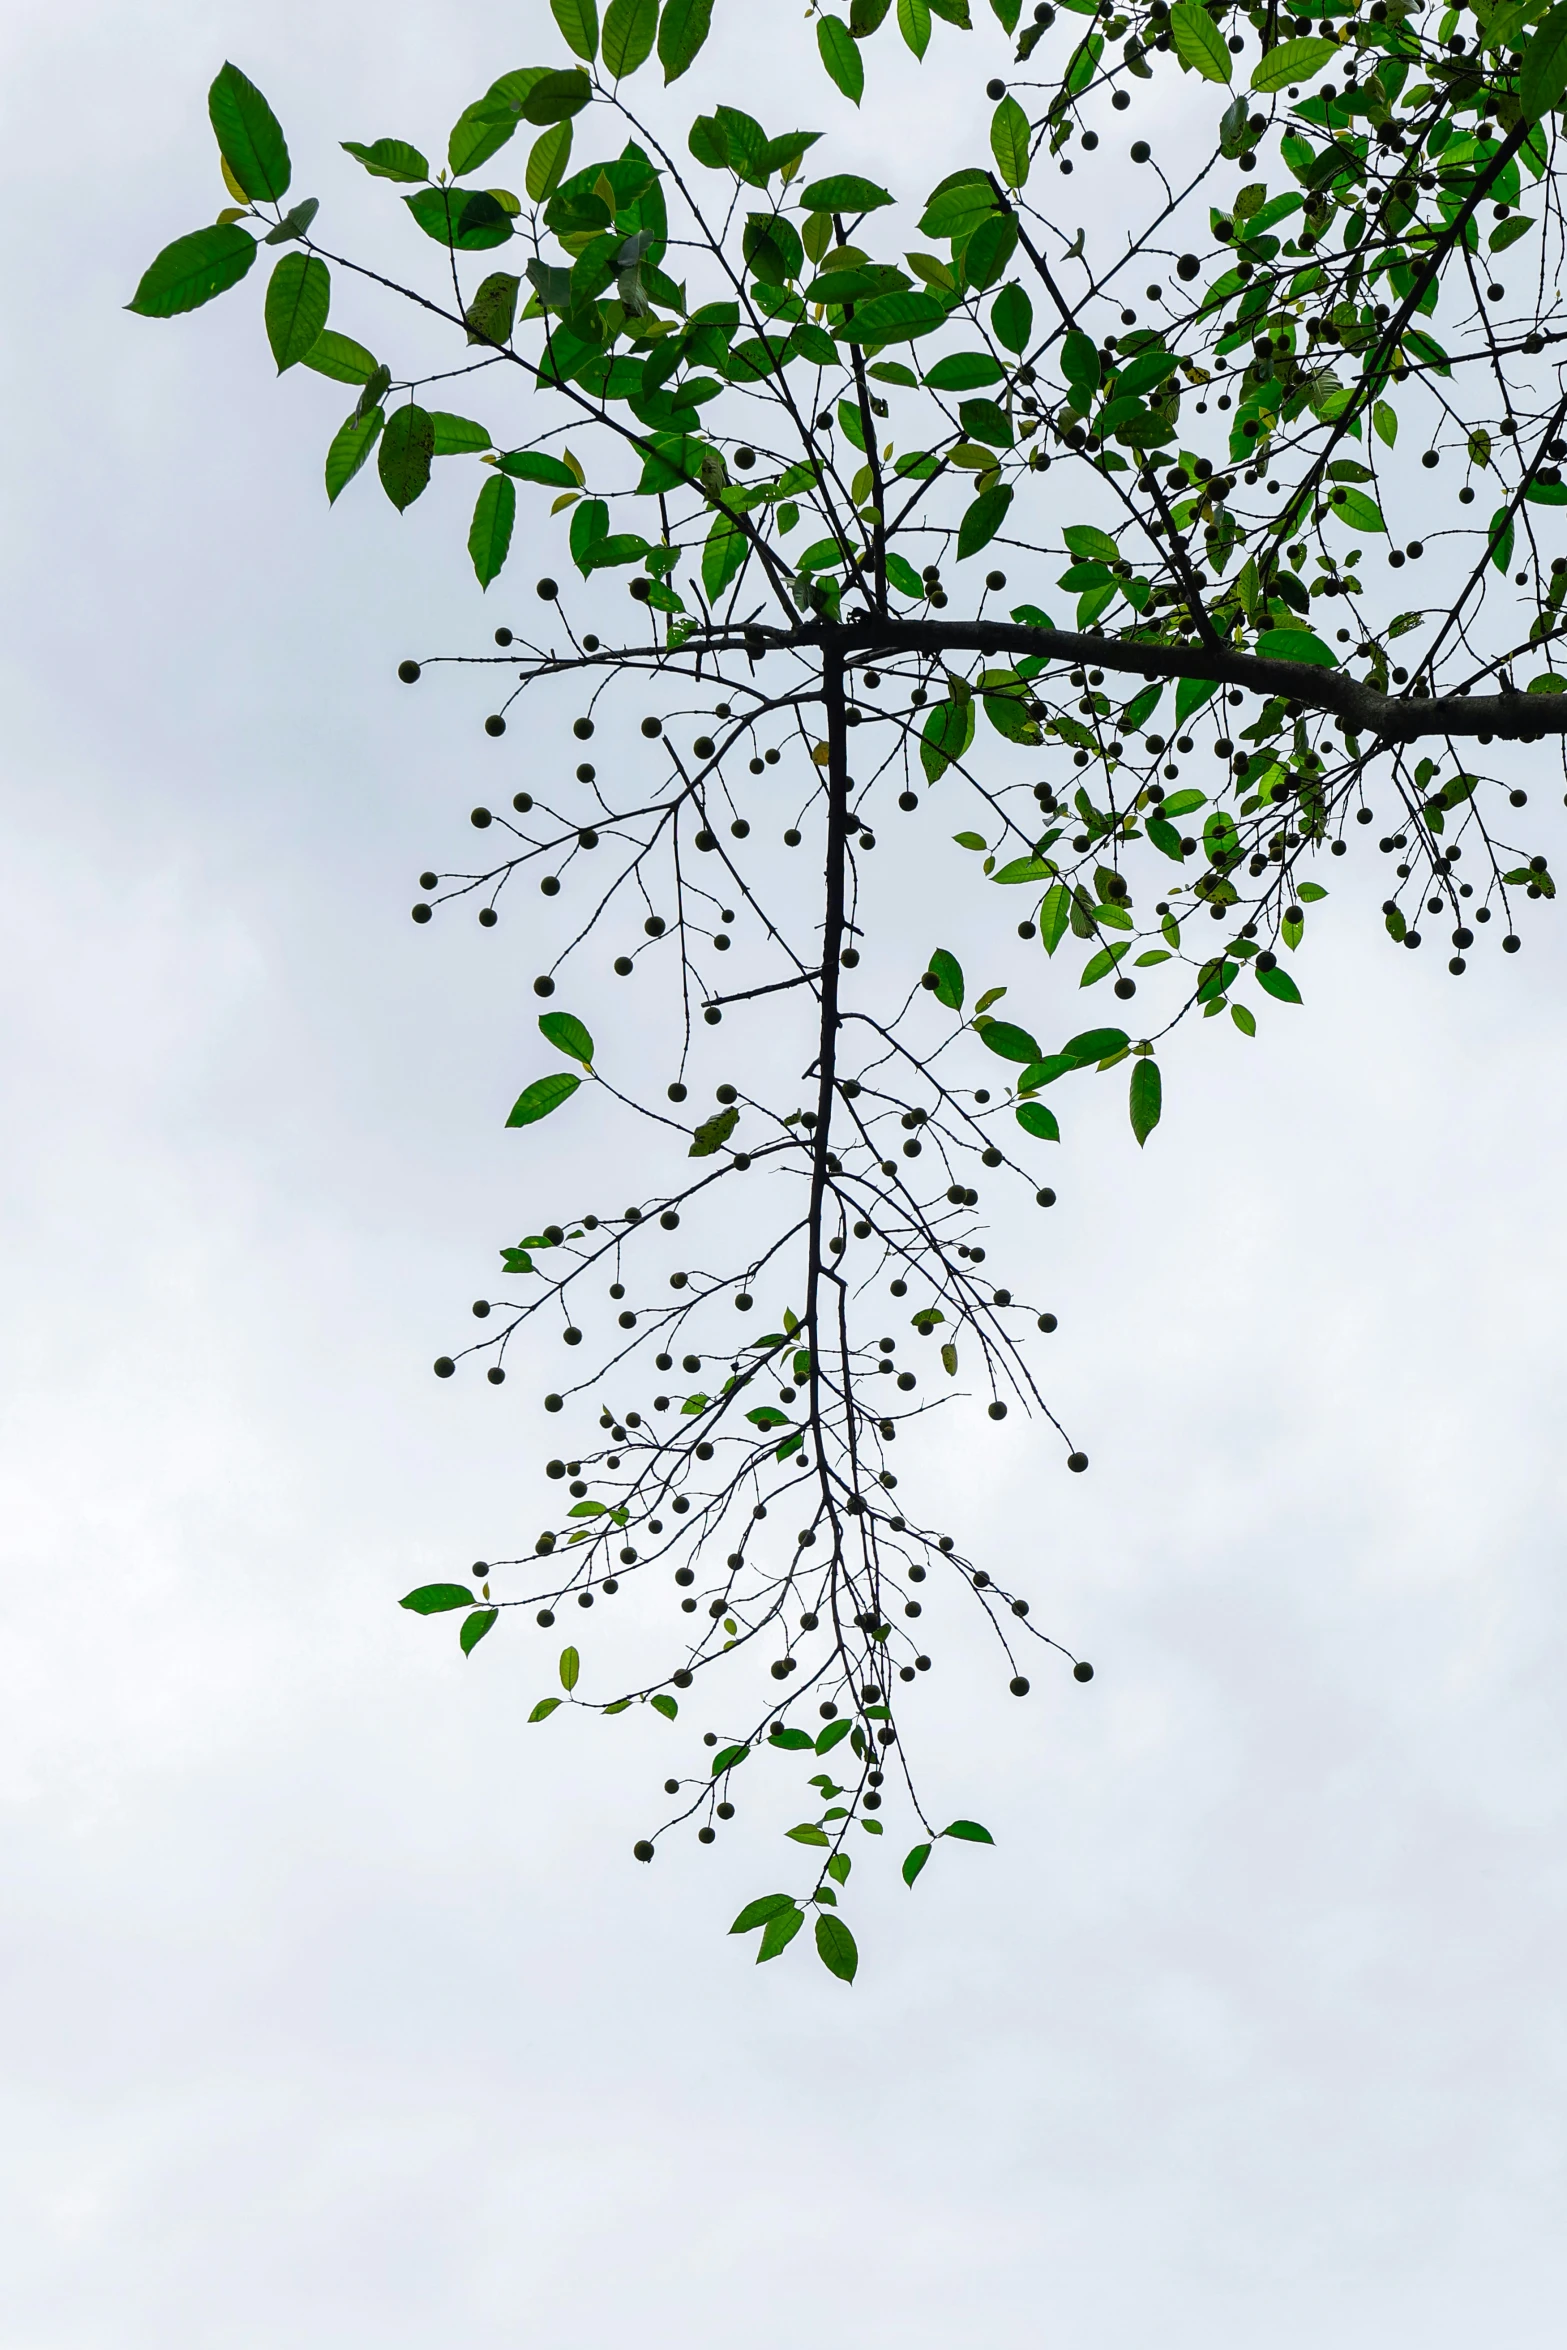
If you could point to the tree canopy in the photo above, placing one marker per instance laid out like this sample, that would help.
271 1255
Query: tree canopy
797 440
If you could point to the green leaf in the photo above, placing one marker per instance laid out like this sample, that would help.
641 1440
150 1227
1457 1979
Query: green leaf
663 1703
1199 44
534 465
835 1947
1054 915
541 1097
1244 1018
727 1758
1279 983
545 1707
1011 135
547 161
1508 232
406 452
435 1599
1501 538
589 524
1291 61
1094 1044
630 29
969 1832
491 313
982 519
723 554
566 1033
989 250
579 24
1101 965
948 975
193 270
945 736
831 1736
489 535
1080 366
1296 644
1083 538
351 445
516 1260
388 159
249 137
794 1741
457 436
896 317
762 1912
475 1627
778 1933
1012 318
479 132
1146 1099
1011 1044
844 192
964 371
1036 1120
713 1133
555 97
570 1669
904 577
683 28
1190 695
914 24
915 1862
466 219
807 1833
299 294
1356 509
338 356
1542 75
840 54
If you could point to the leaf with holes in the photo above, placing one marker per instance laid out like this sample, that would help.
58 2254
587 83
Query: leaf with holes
405 456
713 1133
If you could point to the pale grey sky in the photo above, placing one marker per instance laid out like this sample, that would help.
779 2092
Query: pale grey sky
336 2011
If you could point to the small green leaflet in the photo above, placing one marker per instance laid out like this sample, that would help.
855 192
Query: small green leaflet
1292 61
1010 138
969 1832
542 1096
193 270
663 1703
299 294
340 358
728 1757
713 1133
534 465
983 519
566 1033
840 54
475 1627
1279 983
1036 1120
1296 644
1501 541
914 24
1055 913
1012 1044
1190 695
844 192
779 1932
835 1947
683 27
1147 1099
1199 44
630 28
434 1599
579 24
405 455
964 371
389 159
250 139
947 972
762 1912
793 1741
351 445
807 1833
1356 509
457 436
570 1668
1082 538
723 555
1094 1044
545 1707
904 577
945 736
830 1737
915 1862
1012 318
489 535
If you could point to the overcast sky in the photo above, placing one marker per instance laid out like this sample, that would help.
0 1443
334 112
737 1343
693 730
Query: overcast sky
336 2011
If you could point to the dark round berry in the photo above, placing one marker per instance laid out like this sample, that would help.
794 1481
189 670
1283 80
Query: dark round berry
548 591
444 1366
995 579
706 1835
640 590
495 724
582 728
408 671
503 636
682 1679
544 985
1045 1198
1082 1670
623 966
421 913
642 1850
554 1403
429 880
1018 1686
995 91
495 1375
652 727
998 1411
1077 1461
